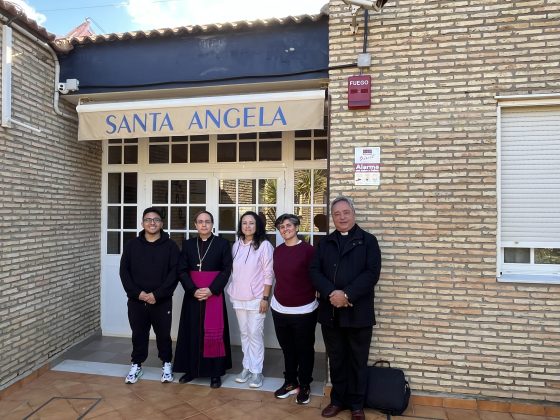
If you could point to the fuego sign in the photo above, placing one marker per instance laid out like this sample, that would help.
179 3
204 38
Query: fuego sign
359 92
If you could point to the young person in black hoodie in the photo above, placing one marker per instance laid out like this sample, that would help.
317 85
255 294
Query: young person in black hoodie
148 273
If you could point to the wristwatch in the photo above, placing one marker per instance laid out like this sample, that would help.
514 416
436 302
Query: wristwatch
265 298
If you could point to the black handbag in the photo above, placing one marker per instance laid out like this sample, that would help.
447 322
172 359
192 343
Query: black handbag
387 389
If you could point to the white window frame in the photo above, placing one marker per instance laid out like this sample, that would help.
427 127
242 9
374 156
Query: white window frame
520 273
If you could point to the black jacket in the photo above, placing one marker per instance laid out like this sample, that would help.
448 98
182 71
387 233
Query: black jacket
150 267
354 269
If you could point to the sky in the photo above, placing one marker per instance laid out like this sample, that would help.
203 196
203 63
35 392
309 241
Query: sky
107 16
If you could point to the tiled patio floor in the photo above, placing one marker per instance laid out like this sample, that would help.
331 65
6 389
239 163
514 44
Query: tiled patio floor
64 396
87 382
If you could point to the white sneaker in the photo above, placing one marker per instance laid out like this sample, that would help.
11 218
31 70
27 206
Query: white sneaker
256 380
243 376
134 374
166 373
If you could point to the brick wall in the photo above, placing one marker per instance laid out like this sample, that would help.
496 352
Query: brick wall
50 223
437 67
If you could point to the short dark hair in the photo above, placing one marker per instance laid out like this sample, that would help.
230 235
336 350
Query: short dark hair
153 210
287 216
203 212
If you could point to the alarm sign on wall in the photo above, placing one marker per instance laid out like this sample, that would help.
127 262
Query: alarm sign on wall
359 92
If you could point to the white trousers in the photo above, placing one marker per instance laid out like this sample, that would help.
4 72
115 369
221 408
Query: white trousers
251 326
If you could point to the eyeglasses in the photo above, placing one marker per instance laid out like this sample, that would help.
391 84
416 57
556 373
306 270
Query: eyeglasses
150 220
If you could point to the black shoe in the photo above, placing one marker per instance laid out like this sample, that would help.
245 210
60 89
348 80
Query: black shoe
185 378
303 394
215 382
286 390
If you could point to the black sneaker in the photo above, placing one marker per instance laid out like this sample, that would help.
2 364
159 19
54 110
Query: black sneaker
303 394
286 390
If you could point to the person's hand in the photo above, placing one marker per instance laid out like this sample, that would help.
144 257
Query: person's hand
338 299
151 299
263 306
202 294
143 296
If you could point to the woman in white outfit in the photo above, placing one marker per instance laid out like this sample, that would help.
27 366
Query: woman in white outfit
249 291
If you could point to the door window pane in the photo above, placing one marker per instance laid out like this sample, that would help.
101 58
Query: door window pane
269 216
129 217
227 218
130 187
114 188
113 242
227 191
267 191
320 186
159 192
114 217
247 191
302 187
178 218
197 194
304 214
179 192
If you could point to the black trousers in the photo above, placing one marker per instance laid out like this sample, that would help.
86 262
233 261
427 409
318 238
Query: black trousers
296 335
142 316
348 349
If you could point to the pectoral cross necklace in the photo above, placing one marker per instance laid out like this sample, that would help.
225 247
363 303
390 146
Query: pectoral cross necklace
200 259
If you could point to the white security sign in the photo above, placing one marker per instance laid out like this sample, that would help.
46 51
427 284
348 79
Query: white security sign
367 166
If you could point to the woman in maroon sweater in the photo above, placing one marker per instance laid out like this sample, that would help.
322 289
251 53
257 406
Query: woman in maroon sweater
294 309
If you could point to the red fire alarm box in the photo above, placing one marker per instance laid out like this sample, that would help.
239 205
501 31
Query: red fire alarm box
359 92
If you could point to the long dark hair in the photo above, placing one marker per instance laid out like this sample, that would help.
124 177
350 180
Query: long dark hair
260 234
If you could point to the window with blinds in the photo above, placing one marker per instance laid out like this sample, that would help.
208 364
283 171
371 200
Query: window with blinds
530 193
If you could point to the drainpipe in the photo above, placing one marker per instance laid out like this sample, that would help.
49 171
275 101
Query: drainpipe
9 24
